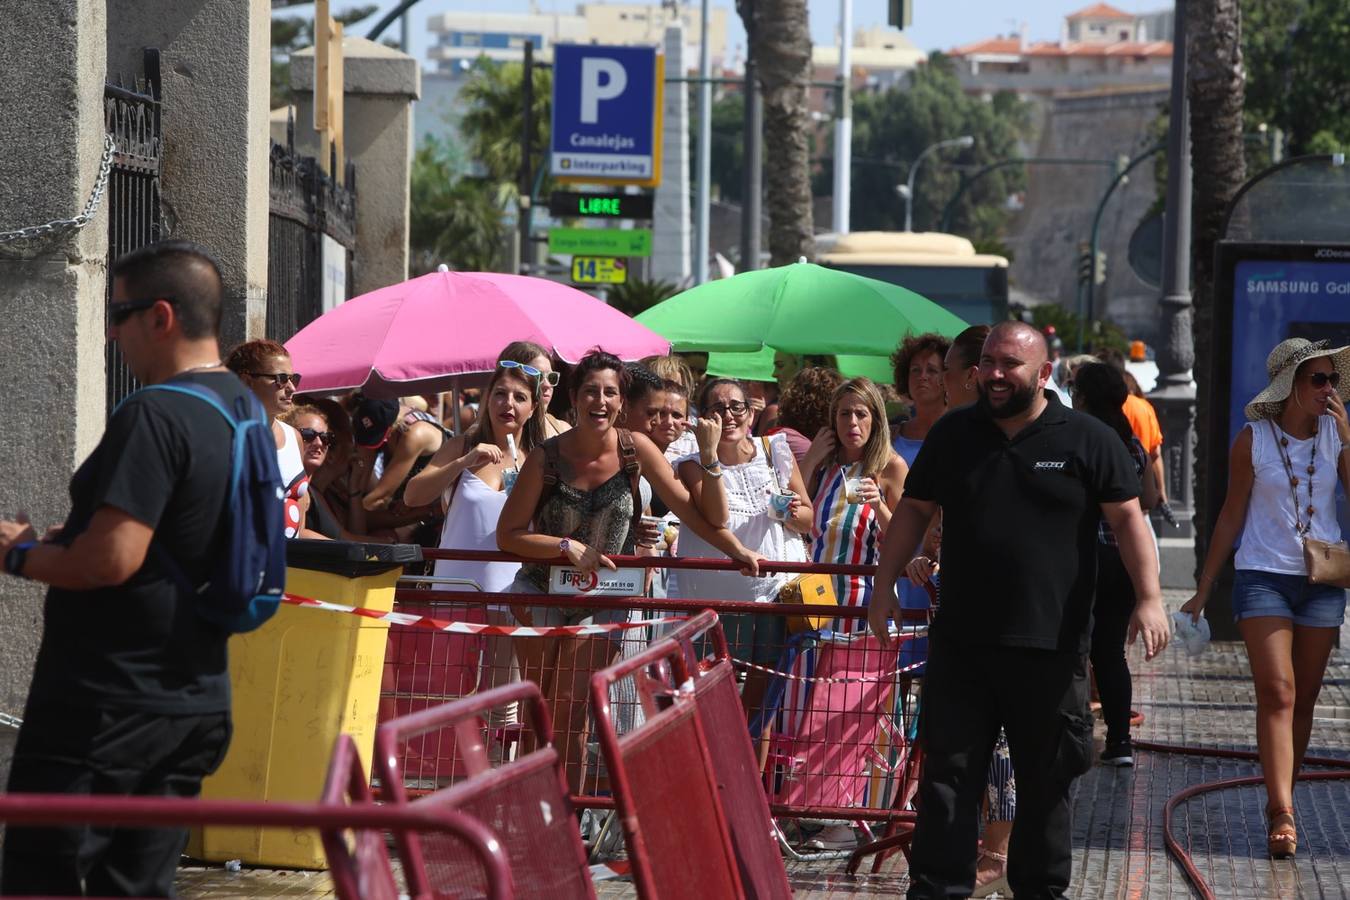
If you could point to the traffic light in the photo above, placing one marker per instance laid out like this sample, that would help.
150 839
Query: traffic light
900 13
1099 268
1084 264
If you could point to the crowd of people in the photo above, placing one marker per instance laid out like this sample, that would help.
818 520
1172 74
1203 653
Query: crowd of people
969 470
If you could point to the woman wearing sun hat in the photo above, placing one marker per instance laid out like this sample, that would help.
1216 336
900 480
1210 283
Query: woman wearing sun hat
1282 474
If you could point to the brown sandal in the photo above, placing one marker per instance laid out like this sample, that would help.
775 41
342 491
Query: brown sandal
1282 839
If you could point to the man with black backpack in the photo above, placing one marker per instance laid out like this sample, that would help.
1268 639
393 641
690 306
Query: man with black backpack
162 556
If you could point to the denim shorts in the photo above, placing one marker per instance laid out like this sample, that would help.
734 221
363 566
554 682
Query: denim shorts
1257 593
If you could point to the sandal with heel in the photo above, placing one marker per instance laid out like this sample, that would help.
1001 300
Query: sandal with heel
998 885
1282 838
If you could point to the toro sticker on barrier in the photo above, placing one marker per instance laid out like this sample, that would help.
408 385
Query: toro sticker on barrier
604 583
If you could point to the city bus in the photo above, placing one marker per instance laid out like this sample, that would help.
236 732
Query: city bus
944 268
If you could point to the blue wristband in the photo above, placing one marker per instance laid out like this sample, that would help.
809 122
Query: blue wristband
16 557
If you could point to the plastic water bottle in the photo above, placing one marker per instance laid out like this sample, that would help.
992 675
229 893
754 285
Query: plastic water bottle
1192 636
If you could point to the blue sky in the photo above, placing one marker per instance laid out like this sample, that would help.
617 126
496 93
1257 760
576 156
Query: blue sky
938 24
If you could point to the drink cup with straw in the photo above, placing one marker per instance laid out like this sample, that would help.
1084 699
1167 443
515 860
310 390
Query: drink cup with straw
510 475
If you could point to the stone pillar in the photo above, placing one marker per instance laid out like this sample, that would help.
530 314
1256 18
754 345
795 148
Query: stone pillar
216 68
379 85
671 257
51 291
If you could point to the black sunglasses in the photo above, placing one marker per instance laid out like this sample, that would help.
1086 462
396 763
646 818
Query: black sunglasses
1322 379
735 407
118 313
326 437
279 378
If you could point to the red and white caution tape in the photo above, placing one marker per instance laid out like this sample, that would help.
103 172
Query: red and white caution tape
605 871
412 620
865 679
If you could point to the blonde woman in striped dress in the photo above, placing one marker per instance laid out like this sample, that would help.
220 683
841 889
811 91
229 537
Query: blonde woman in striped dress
855 480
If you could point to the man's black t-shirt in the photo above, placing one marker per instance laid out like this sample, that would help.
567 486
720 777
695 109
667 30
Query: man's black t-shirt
1019 522
164 460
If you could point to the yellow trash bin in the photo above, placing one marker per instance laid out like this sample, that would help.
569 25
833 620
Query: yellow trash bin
298 682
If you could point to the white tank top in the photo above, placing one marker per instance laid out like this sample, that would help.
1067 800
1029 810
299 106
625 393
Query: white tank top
471 524
288 455
1269 541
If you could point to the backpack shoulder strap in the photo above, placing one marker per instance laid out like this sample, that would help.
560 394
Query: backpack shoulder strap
629 459
201 393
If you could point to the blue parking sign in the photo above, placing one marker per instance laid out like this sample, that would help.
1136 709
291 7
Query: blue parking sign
606 114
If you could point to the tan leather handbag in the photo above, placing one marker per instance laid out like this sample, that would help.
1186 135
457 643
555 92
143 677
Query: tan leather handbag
1327 562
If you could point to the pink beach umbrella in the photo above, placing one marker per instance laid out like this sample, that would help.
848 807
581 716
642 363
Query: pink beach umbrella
420 335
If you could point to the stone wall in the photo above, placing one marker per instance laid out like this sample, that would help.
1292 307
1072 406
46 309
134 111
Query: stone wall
1061 200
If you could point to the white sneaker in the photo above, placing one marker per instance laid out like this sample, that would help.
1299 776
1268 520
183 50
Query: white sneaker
833 837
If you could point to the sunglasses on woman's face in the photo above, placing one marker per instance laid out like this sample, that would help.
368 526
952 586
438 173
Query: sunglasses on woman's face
735 407
1322 379
279 379
309 434
550 378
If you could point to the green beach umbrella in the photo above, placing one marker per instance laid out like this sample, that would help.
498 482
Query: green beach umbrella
753 366
799 308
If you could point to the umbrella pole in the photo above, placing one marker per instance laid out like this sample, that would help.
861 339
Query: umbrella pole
454 404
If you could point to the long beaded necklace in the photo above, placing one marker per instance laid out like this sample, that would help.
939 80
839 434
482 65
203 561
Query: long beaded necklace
1283 442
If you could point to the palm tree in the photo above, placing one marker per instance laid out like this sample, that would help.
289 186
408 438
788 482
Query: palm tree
491 124
780 42
1213 29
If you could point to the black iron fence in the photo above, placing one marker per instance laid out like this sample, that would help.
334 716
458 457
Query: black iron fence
310 241
132 116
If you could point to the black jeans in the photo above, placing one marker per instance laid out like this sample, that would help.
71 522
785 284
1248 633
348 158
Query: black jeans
1111 611
1040 698
86 751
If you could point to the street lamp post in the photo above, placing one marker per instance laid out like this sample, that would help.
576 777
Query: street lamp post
963 141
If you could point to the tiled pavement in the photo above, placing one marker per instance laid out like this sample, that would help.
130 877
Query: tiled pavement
1118 827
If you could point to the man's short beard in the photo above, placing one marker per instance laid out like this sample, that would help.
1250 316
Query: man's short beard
1019 401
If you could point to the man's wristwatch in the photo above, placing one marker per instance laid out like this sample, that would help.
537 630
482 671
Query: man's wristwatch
17 556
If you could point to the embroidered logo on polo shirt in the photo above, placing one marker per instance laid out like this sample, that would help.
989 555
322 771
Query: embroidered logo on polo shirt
1048 464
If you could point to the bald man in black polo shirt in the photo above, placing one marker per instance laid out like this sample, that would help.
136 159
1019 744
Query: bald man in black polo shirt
1022 483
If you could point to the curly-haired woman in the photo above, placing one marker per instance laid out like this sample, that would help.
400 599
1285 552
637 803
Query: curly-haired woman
804 407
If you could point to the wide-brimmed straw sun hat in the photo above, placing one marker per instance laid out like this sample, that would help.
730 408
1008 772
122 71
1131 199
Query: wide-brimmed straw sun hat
1283 363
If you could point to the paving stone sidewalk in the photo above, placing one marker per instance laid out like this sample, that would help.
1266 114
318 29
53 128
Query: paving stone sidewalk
1118 819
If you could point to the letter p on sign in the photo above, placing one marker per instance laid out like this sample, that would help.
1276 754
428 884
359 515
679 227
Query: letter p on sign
601 79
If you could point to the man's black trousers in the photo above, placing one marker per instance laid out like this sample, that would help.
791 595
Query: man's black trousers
86 751
1040 698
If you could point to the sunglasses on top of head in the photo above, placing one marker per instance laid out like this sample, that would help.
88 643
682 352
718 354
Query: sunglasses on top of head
1322 379
325 437
119 313
279 379
550 378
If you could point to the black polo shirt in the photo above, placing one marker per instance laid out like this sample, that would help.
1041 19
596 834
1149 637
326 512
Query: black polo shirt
1019 522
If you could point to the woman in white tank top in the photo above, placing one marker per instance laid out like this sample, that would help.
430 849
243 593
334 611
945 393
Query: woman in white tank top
473 474
1283 471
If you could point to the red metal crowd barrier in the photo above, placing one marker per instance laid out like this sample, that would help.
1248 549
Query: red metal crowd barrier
360 867
831 715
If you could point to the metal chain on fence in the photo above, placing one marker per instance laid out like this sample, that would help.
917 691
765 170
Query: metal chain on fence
11 721
17 243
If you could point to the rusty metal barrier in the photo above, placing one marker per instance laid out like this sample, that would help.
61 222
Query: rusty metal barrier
831 714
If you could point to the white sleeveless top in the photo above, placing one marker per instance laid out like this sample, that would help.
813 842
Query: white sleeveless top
288 455
471 524
1269 540
747 487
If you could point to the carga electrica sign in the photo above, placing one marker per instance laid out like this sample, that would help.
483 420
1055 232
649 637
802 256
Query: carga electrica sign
606 114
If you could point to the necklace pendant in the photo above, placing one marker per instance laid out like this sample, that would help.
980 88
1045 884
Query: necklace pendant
1293 481
1311 512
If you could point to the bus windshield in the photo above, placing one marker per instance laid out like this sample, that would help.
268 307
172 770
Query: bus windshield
940 267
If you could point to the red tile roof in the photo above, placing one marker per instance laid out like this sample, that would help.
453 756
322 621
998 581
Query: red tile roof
1010 45
1100 11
